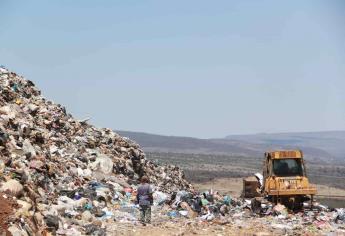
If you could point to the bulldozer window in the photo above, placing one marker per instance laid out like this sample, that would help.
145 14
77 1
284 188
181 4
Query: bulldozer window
287 167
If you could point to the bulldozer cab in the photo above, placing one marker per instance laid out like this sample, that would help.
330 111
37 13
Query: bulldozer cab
280 165
288 167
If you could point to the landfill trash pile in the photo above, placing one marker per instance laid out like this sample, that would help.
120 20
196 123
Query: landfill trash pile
59 168
66 177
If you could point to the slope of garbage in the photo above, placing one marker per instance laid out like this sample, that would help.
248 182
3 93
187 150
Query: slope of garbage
65 177
54 164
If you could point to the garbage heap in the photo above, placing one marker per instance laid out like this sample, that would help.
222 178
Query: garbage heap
187 213
243 215
54 164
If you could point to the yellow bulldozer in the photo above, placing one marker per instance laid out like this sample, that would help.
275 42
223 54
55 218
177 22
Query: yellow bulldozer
284 180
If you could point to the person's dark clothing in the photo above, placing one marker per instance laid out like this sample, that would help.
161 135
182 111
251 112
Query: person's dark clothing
145 214
145 200
144 196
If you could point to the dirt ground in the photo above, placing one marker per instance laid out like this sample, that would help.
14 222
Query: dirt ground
179 228
231 186
6 211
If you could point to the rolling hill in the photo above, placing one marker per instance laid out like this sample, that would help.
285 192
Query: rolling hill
325 147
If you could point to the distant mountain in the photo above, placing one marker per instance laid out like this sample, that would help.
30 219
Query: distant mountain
326 144
317 146
160 143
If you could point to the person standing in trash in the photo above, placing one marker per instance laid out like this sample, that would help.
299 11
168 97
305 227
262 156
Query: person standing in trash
145 200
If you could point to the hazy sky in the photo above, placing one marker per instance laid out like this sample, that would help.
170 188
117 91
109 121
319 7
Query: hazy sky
193 68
